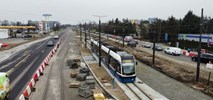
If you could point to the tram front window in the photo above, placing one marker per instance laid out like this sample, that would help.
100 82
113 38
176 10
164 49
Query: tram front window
128 70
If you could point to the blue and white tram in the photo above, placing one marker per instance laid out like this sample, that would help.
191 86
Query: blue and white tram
121 64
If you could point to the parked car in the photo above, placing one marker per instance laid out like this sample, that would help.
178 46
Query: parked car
204 58
158 47
50 43
173 51
55 37
146 45
26 36
132 43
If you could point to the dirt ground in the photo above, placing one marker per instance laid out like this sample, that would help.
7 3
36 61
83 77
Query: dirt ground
178 71
103 76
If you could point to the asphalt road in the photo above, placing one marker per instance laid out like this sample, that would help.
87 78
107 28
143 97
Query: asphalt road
21 66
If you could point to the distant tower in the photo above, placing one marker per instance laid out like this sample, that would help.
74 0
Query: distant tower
46 21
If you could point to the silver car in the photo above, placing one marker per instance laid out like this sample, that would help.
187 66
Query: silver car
146 45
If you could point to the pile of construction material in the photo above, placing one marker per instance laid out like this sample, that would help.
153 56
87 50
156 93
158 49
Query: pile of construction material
83 80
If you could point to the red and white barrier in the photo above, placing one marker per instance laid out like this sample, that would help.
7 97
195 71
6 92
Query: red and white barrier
40 69
27 91
32 83
190 54
46 61
36 75
3 45
21 97
43 65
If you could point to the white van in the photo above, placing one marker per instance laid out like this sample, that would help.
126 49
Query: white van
173 51
128 38
4 86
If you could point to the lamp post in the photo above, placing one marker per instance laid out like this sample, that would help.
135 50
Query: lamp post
99 29
85 39
154 41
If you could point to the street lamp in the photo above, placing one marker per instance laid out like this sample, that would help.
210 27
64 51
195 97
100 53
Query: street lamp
85 39
99 37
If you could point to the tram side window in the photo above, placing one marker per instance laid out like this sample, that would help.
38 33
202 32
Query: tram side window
115 64
118 67
93 47
104 55
112 62
97 49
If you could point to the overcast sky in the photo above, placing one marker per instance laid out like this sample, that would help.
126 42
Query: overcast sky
75 11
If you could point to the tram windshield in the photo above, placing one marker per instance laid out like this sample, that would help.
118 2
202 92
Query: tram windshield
128 69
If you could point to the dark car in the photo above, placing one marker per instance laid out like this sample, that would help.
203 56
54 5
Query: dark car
27 36
50 43
158 48
132 43
204 58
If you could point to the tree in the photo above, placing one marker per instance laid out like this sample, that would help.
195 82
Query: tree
190 23
56 26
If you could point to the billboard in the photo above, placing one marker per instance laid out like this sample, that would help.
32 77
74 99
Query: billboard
205 38
4 33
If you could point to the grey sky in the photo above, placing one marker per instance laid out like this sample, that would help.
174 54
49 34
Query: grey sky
75 11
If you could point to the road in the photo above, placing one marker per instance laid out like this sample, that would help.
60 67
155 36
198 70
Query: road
21 66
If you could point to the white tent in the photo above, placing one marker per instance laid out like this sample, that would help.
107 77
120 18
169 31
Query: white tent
4 33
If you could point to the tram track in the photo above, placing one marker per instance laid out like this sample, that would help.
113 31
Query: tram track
137 90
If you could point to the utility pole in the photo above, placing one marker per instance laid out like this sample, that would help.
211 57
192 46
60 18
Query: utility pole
85 39
89 31
159 35
123 36
99 42
154 41
199 47
80 33
99 37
